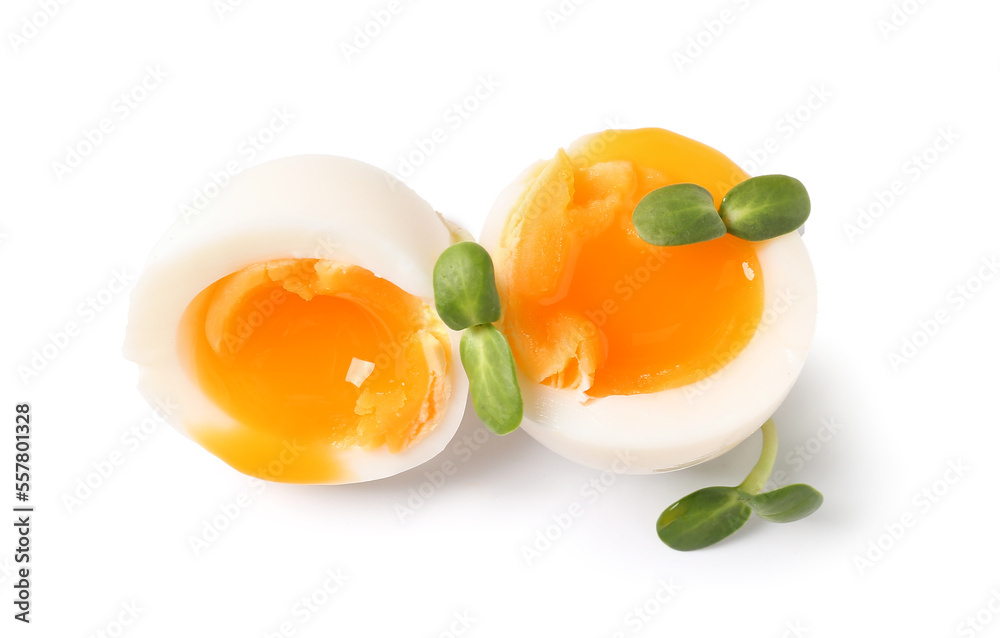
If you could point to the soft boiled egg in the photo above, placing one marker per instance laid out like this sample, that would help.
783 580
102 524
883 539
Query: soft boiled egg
634 357
292 323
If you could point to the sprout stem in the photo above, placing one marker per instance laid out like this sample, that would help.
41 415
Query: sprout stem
755 481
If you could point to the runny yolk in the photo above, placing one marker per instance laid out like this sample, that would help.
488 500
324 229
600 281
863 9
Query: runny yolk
313 357
589 305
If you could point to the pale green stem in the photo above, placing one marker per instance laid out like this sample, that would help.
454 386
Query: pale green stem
755 481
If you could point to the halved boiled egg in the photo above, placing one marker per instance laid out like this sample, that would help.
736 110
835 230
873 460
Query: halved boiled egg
293 325
631 356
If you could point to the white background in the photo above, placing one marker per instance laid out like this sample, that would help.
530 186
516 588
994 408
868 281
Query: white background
888 94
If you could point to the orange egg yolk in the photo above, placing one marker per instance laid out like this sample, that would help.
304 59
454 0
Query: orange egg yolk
588 305
310 358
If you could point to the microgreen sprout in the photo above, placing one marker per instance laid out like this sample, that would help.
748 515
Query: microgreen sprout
709 515
757 209
692 216
465 290
465 295
487 360
765 207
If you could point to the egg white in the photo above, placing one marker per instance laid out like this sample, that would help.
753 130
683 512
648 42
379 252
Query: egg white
679 427
309 207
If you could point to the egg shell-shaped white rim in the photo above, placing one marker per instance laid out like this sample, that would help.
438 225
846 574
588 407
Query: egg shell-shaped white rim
310 207
680 427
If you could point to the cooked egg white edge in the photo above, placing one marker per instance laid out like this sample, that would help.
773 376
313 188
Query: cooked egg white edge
310 207
680 427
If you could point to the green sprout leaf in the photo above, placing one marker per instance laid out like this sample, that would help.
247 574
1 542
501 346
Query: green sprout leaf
786 504
677 215
465 294
465 291
702 518
765 207
489 364
707 516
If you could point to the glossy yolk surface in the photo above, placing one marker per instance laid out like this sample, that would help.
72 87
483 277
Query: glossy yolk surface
312 357
588 305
